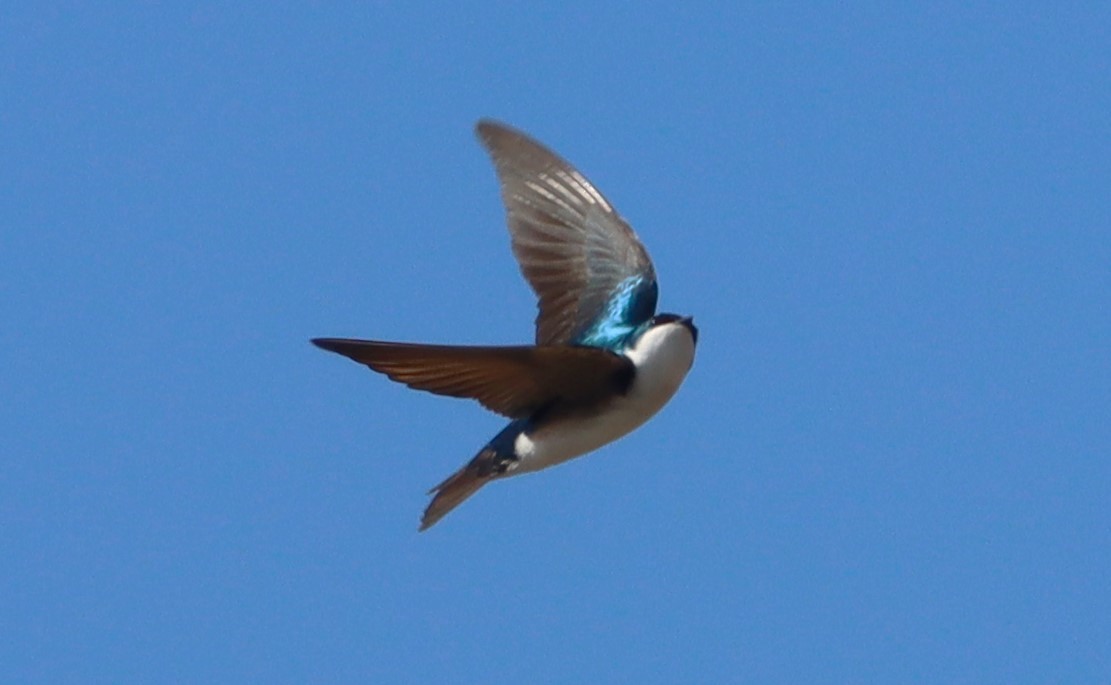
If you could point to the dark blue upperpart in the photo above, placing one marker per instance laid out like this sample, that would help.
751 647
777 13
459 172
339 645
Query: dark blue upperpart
628 308
502 443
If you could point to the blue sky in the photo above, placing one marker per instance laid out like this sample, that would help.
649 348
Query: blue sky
890 462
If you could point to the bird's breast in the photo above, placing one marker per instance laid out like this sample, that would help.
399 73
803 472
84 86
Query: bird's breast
662 358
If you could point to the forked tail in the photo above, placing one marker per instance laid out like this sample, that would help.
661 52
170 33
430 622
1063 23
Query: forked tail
458 487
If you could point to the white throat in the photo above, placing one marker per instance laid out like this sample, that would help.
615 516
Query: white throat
662 355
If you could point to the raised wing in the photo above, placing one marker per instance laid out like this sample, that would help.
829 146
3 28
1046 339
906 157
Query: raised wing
593 277
512 381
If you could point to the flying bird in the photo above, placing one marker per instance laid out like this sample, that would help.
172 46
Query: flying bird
604 362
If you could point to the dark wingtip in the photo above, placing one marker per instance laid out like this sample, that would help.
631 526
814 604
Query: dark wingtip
485 127
495 135
330 344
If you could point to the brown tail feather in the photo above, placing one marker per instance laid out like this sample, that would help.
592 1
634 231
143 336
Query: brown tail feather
451 493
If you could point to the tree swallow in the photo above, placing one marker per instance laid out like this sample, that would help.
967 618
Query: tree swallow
604 362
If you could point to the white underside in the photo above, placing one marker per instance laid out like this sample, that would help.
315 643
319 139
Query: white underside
663 356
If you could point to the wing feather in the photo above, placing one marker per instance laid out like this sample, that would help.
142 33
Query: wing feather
593 277
512 381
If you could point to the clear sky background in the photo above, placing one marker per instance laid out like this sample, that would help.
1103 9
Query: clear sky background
891 462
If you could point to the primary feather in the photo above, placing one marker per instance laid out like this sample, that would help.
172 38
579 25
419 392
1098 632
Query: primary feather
593 277
514 381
